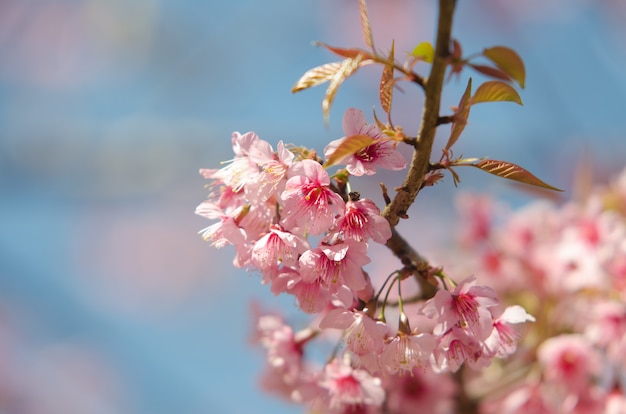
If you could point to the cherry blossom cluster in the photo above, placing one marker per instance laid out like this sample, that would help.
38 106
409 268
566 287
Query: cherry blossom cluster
567 265
307 235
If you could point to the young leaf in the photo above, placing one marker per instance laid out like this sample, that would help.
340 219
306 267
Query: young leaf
347 53
365 25
509 61
491 71
424 51
317 76
348 67
493 91
511 171
385 90
349 146
460 116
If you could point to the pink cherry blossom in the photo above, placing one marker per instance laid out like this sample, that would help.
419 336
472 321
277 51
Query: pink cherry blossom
420 391
240 169
381 153
274 166
456 347
362 221
467 307
226 231
503 339
404 352
348 387
569 360
308 201
336 265
363 335
277 247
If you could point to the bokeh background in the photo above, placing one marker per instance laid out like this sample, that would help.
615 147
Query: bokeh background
109 300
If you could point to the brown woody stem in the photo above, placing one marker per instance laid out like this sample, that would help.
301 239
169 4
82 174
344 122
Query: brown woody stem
430 119
420 163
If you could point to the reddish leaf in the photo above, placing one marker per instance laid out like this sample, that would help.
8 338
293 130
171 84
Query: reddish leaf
509 61
460 116
347 53
379 124
365 25
349 146
317 76
385 90
511 171
424 51
493 91
491 71
348 67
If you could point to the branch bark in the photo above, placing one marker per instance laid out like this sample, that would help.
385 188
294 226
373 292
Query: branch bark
414 179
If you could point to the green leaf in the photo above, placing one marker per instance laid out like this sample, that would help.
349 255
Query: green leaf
460 116
424 51
349 146
385 90
494 91
511 171
508 61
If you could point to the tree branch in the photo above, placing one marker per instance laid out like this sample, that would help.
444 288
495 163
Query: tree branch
430 118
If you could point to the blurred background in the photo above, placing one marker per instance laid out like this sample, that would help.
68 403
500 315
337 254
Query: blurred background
110 302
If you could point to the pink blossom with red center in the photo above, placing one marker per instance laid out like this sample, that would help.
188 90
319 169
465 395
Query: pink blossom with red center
363 335
336 265
278 247
457 347
240 169
274 169
362 221
381 153
466 307
503 339
347 387
569 360
308 202
404 352
420 391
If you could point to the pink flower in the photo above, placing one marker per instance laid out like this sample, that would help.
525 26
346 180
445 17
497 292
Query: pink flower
274 168
313 296
308 202
569 360
241 169
336 265
348 387
277 247
466 307
226 230
362 221
405 352
420 391
363 335
456 347
503 339
381 153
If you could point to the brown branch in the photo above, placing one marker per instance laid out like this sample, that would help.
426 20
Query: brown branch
430 118
413 262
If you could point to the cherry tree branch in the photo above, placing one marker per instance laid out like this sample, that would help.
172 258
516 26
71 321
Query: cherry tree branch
420 163
406 195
